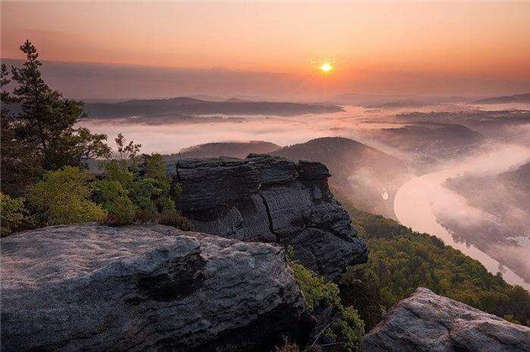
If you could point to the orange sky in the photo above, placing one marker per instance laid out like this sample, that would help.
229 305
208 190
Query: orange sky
463 38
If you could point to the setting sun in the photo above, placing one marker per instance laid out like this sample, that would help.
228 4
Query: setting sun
326 67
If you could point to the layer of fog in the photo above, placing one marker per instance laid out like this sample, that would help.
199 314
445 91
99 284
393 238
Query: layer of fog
182 133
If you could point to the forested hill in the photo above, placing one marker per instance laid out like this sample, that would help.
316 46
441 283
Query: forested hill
190 106
401 260
518 98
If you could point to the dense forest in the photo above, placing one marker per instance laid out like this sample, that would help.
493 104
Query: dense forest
401 260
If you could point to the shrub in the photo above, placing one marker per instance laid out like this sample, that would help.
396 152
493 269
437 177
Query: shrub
113 197
121 211
152 195
315 289
347 328
138 194
147 216
176 219
13 214
62 198
287 347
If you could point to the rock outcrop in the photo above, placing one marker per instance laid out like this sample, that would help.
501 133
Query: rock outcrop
428 322
143 288
271 199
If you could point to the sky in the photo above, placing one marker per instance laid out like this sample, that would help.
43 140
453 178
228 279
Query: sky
454 47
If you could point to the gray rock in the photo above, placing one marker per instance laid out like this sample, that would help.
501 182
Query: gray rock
271 199
143 288
428 322
207 183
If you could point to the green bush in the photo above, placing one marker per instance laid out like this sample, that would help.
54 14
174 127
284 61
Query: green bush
315 289
347 329
140 194
62 197
113 198
13 214
121 211
152 195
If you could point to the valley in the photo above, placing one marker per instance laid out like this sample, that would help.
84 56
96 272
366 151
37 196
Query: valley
399 161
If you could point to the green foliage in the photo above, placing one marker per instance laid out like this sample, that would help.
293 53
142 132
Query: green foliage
41 136
113 198
20 161
401 260
347 328
154 166
62 197
13 214
142 194
151 195
118 170
315 289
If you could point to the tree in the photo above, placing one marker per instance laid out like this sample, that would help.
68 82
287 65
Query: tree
20 162
126 151
43 121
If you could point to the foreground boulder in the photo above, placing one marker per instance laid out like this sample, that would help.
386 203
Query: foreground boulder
428 322
271 199
139 288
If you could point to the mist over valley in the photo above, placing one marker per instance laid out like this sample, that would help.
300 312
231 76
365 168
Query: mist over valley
370 152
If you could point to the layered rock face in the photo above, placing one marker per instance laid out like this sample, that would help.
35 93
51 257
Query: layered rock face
138 288
428 322
271 199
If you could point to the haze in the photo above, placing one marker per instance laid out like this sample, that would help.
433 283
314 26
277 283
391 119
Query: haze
460 47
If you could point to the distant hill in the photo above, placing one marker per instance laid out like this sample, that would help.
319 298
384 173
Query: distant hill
426 143
230 149
518 98
191 106
519 177
363 174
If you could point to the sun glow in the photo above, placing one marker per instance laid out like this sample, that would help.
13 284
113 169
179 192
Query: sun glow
326 67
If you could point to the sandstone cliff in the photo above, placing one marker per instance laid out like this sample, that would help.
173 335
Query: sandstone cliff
271 199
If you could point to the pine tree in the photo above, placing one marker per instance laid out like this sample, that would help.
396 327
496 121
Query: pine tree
20 162
43 122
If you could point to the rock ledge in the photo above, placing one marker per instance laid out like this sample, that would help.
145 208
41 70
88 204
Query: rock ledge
143 288
428 322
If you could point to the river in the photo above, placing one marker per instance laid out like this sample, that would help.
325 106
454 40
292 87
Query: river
417 201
